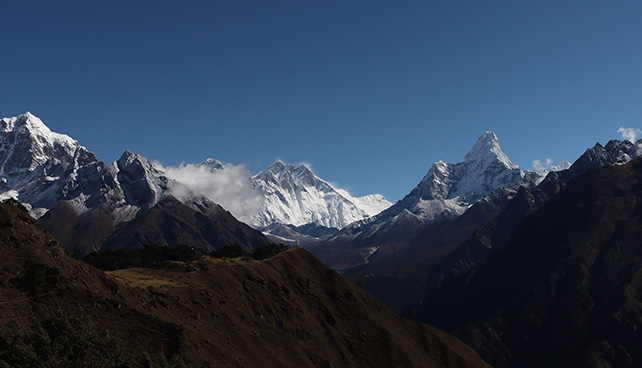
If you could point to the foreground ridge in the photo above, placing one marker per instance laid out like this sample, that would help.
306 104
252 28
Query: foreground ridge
289 310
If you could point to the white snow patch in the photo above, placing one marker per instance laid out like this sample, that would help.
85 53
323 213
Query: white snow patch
9 194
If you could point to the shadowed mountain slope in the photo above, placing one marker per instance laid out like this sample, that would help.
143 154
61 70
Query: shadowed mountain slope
566 289
170 222
436 256
289 310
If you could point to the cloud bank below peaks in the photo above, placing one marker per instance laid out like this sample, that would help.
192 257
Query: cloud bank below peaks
229 186
543 167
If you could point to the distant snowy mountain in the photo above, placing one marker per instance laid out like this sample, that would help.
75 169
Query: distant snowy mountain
42 169
445 193
449 189
48 172
295 196
39 167
212 164
294 205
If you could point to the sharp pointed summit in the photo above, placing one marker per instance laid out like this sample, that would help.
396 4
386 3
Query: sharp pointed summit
444 194
487 151
30 125
39 167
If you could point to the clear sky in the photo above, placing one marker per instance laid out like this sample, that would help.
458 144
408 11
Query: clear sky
370 93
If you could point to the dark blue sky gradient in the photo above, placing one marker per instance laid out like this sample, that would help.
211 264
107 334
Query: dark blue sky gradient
371 93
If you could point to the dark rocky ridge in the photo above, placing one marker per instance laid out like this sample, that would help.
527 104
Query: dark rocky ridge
565 290
439 255
168 223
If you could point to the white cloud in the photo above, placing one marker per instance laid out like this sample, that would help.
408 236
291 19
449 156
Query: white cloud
230 187
630 134
542 167
539 166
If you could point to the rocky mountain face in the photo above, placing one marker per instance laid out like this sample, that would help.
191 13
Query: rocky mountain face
145 207
298 204
288 310
443 195
564 289
88 204
434 258
39 167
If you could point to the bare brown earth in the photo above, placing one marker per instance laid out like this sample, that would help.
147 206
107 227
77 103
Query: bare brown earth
286 311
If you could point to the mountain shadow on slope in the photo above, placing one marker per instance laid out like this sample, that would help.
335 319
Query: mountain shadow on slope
170 223
565 290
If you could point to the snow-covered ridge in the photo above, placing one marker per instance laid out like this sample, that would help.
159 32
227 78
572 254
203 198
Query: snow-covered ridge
445 192
36 127
39 168
282 194
296 196
448 190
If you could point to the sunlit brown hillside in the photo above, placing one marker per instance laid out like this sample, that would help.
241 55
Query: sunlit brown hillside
286 311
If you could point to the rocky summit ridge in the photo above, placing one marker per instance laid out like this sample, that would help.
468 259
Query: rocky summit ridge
47 172
294 195
445 193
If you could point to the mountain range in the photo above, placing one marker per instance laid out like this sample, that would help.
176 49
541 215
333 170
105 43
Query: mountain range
297 207
530 268
91 206
445 193
436 256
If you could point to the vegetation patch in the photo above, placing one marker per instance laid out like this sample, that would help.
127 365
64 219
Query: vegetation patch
60 339
37 279
164 257
149 256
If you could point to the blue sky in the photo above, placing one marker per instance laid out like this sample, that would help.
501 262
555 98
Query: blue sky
370 93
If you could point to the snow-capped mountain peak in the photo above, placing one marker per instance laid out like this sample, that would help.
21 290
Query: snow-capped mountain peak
135 165
484 169
294 195
37 166
212 164
144 185
445 192
486 152
26 143
32 125
292 176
